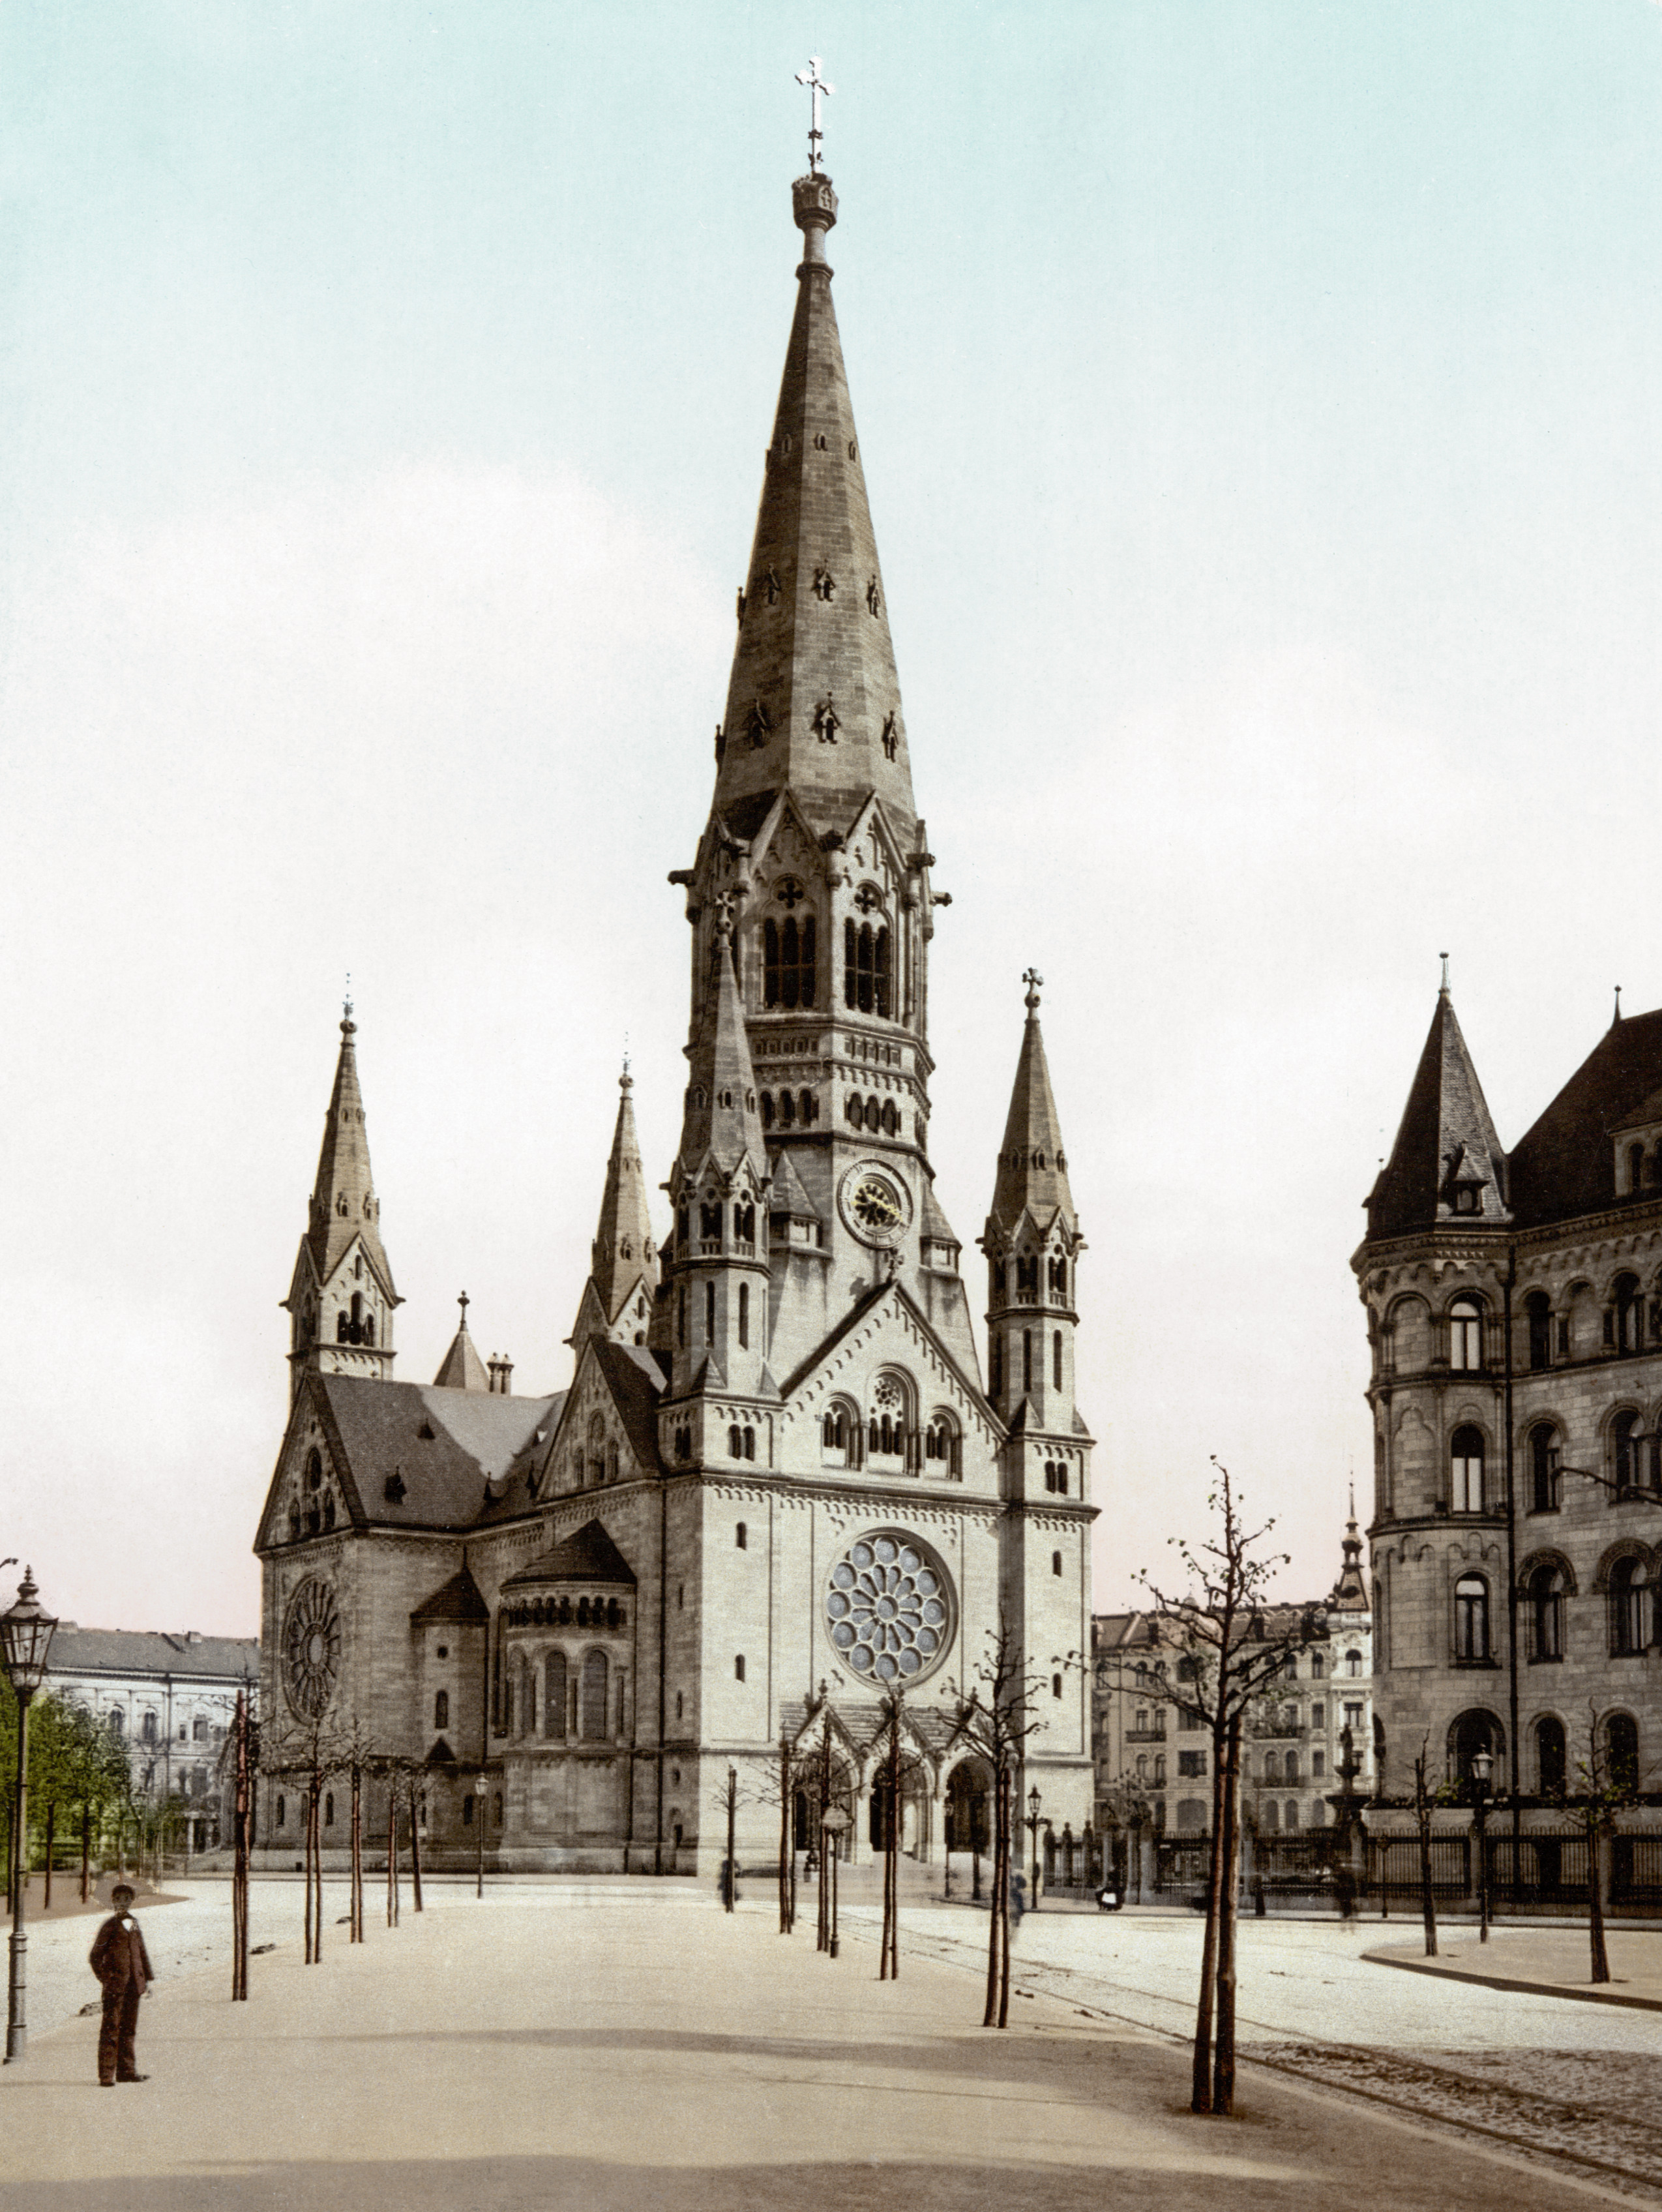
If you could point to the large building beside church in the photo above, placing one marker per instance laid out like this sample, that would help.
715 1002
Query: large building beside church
1515 1308
777 1490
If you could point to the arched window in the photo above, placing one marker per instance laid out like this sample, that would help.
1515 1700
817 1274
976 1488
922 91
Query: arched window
1271 1816
788 1109
1055 1563
1629 1607
1353 1662
709 1313
1628 1447
1545 1593
1469 1733
767 1106
1056 1360
1546 1468
787 961
1551 1762
314 1469
442 1709
1471 1619
1465 1334
865 968
1629 1315
1291 1767
745 1313
282 1813
1622 1751
1289 1815
329 1809
199 1730
741 1536
1538 1307
555 1694
1027 1359
593 1718
1465 1484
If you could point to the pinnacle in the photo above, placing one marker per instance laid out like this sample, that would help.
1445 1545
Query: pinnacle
814 702
1446 1162
343 1200
1033 1168
721 1118
623 1241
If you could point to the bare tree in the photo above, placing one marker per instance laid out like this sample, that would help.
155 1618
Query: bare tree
901 1768
1233 1647
996 1716
313 1752
1608 1783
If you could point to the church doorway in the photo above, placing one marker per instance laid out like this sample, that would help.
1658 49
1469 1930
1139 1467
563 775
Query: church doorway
913 1813
810 1799
968 1797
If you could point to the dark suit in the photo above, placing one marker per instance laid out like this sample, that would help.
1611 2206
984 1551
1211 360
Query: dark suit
122 1964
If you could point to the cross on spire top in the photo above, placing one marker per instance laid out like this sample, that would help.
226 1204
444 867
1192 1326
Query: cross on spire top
816 86
1034 980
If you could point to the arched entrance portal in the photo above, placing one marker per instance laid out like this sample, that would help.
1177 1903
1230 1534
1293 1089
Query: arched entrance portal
914 1813
969 1806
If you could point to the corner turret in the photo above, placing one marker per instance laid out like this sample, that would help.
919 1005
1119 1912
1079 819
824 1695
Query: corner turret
617 1298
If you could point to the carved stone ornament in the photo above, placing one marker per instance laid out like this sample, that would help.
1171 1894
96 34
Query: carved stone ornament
825 583
873 595
891 735
826 721
759 726
772 586
789 893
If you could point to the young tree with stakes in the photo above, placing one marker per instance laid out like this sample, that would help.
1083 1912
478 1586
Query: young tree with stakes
996 1718
1609 1783
1230 1657
900 1769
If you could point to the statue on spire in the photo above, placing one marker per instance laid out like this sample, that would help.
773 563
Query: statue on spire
816 86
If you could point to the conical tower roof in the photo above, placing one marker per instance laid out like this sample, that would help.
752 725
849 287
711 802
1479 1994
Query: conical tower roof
814 701
623 1242
722 1118
1033 1168
1350 1592
461 1369
343 1200
1447 1146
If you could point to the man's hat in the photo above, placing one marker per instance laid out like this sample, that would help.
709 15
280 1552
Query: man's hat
122 1889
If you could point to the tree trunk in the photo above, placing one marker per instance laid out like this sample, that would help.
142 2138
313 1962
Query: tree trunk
52 1825
785 1853
239 1857
392 1848
732 1813
1601 1972
1223 2065
889 1968
414 1850
1428 1901
86 1852
1200 2086
989 2016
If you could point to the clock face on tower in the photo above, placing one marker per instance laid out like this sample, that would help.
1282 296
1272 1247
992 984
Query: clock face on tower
876 1205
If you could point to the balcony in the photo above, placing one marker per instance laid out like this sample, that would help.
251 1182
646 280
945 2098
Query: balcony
1145 1736
1281 1731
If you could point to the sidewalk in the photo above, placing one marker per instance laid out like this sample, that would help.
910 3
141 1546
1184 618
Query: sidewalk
1546 1962
614 2049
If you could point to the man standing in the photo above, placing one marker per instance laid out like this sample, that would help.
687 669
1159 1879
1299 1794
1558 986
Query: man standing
123 1965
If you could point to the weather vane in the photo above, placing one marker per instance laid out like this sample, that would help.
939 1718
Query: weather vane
816 83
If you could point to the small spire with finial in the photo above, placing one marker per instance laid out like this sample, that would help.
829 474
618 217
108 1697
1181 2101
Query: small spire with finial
626 1081
464 1302
348 1027
1617 1015
1034 982
1443 956
817 88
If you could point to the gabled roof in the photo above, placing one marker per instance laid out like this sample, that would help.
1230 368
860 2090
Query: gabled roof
1566 1165
463 1457
635 1377
813 650
859 1312
140 1651
461 1368
588 1556
457 1600
787 1194
934 1226
1446 1126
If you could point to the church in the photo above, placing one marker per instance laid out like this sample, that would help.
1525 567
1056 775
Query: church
778 1493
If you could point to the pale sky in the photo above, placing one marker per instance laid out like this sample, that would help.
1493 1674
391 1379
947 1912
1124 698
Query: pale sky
1258 403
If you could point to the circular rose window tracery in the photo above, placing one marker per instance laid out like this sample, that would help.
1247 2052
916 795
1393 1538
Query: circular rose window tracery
888 1608
310 1649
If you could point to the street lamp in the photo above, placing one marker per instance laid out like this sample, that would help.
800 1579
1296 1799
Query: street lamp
26 1634
833 1824
1483 1766
480 1788
1034 1802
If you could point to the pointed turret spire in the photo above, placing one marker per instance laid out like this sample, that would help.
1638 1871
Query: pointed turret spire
722 1119
1350 1592
815 702
1446 1164
1033 1168
617 1298
461 1369
343 1201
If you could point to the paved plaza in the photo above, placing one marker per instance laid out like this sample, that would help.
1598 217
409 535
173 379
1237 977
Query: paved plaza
608 2045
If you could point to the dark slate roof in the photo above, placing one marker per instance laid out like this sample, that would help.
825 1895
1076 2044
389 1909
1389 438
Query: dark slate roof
590 1555
457 1600
635 1378
77 1650
471 1467
1445 1124
1566 1165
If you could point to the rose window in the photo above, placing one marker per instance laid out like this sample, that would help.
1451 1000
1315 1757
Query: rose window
889 1608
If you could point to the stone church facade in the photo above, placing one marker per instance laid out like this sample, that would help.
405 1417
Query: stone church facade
1514 1309
777 1491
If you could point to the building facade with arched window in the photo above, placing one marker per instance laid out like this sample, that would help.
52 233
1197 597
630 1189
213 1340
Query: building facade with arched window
782 1484
1514 1309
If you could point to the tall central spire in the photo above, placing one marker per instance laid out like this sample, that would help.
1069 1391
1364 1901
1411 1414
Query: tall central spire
815 702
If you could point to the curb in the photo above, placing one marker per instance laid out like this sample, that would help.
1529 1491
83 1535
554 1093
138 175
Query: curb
1587 1996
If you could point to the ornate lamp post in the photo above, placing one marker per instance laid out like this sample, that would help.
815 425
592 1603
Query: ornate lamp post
26 1634
481 1790
833 1824
1032 1825
1483 1766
